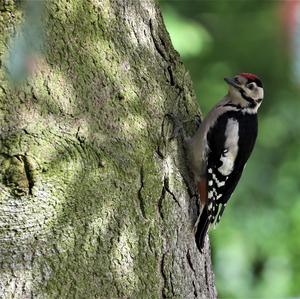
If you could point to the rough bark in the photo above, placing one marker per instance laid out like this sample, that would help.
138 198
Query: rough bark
93 199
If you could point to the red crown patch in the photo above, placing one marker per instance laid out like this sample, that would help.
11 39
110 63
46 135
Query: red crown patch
249 76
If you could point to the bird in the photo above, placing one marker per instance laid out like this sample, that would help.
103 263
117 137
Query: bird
218 151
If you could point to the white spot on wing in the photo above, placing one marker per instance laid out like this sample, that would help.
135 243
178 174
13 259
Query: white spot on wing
219 183
210 183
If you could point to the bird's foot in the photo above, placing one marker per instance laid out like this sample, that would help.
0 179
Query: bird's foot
197 121
177 126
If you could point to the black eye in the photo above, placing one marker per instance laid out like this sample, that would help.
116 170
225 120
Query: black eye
251 86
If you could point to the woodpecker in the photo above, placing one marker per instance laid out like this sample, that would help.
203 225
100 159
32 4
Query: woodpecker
220 148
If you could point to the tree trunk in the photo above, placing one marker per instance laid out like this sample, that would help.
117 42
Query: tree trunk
93 199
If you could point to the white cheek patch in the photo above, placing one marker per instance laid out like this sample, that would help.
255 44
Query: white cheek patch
231 144
260 92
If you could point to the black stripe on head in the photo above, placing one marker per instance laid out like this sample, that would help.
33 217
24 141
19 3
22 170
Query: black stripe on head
248 99
256 80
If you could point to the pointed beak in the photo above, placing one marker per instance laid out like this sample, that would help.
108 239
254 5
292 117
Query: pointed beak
231 82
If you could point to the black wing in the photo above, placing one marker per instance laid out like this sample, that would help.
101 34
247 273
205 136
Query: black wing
221 184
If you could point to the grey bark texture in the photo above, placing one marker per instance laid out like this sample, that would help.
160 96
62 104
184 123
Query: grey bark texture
93 196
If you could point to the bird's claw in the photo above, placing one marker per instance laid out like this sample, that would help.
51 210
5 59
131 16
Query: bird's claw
198 121
177 128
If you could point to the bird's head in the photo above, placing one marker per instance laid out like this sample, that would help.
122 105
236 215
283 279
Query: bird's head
246 90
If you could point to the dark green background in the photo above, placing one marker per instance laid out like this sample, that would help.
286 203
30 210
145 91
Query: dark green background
256 247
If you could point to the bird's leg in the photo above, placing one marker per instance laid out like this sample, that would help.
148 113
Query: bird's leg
178 129
197 121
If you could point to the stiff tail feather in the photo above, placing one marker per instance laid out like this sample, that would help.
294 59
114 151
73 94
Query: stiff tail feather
201 228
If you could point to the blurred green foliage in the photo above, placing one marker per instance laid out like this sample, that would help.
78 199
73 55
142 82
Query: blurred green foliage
256 248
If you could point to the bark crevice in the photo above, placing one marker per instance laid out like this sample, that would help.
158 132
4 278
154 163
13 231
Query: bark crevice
167 188
140 195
